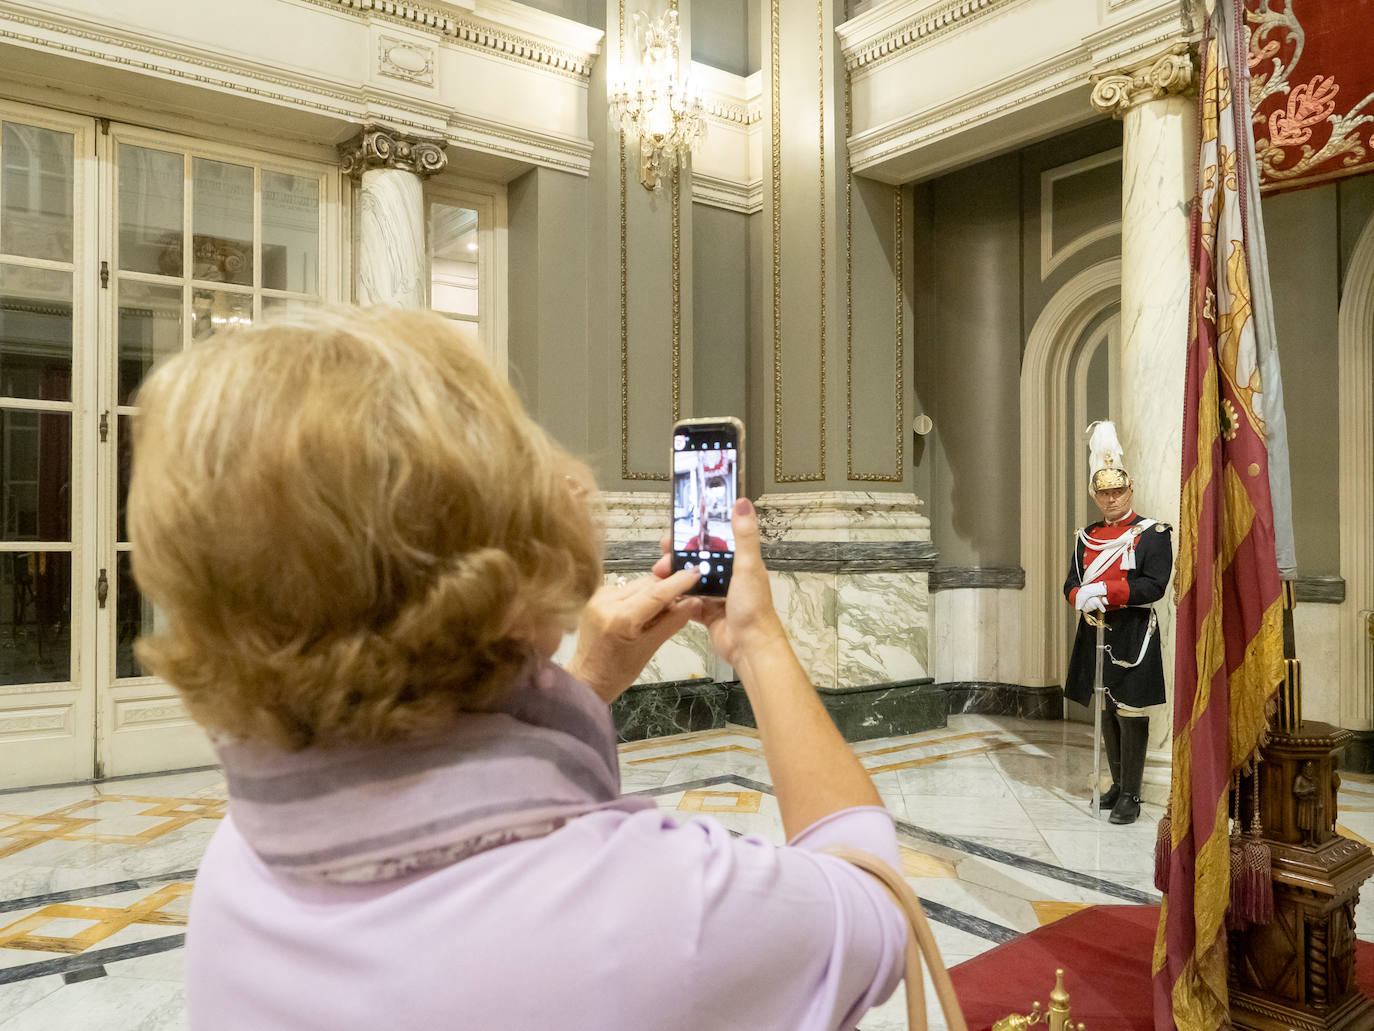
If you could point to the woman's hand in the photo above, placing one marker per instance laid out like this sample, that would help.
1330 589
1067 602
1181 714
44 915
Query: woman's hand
746 620
622 626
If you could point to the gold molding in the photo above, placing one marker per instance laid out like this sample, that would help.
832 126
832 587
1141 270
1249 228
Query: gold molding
677 287
899 315
775 90
625 472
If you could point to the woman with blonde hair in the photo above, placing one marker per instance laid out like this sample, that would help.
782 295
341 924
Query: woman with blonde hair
365 554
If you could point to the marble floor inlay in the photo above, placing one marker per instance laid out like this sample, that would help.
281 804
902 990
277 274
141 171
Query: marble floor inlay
992 819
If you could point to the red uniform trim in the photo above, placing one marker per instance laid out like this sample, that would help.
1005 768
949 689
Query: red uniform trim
1113 577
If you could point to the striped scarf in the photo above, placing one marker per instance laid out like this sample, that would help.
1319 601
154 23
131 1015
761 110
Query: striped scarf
375 812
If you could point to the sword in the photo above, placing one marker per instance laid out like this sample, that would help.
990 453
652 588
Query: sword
1099 701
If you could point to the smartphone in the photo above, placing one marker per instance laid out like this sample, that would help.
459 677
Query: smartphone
708 458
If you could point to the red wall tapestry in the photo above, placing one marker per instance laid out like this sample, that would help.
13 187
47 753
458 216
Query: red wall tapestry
1311 89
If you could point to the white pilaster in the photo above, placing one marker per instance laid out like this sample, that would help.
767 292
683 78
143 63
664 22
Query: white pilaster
1154 100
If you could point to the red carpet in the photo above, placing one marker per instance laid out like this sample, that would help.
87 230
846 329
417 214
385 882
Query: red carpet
1105 954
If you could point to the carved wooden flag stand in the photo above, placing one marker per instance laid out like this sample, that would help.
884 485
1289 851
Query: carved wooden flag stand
1298 971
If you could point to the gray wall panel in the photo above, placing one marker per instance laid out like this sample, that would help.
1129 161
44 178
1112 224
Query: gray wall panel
925 455
720 247
1356 197
874 345
720 35
548 301
1094 194
977 316
1301 231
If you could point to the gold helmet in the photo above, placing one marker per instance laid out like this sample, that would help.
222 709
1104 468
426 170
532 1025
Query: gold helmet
1105 467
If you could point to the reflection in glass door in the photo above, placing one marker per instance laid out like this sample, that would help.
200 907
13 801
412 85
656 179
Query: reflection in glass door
202 239
116 250
46 710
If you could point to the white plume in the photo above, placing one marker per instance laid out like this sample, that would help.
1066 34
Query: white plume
1102 446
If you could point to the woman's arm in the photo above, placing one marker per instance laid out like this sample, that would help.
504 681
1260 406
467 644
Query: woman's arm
814 771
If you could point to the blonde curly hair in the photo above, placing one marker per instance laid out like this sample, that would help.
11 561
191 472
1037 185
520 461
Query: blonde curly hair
352 529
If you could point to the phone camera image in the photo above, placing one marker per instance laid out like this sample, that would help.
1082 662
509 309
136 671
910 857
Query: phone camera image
705 484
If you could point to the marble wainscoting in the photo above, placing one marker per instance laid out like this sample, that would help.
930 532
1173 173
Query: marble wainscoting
849 580
848 573
679 707
976 629
684 687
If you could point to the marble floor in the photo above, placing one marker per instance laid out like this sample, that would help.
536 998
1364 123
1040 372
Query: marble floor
992 819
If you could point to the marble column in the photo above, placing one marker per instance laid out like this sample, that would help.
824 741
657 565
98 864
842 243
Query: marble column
1155 101
390 262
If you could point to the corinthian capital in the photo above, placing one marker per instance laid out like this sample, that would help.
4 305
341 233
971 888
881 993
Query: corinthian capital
1174 71
375 147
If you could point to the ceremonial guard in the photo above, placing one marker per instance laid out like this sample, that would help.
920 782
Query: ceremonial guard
1120 568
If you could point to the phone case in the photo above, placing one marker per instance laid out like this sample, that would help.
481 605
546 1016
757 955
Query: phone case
687 425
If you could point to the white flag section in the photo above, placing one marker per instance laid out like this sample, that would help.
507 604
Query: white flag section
1235 38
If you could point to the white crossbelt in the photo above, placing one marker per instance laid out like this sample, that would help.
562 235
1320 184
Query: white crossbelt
1122 548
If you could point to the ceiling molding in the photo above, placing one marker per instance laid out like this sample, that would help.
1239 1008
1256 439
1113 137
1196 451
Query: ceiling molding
501 28
1052 82
65 35
1058 75
902 25
568 153
728 97
746 198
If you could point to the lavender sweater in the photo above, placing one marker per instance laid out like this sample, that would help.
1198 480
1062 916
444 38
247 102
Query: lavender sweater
617 922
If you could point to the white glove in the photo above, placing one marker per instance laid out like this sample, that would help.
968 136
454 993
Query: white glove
1096 591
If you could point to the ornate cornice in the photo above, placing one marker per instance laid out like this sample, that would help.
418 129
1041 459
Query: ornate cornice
726 193
188 63
1156 77
376 147
1049 78
1038 97
876 37
568 153
545 48
725 109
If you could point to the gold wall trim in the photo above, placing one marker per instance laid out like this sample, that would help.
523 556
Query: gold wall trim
899 319
625 472
776 133
677 288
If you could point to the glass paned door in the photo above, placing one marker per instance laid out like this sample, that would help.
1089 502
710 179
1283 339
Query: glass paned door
46 691
466 239
202 239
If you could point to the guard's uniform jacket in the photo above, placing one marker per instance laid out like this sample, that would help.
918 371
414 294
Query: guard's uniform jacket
1135 573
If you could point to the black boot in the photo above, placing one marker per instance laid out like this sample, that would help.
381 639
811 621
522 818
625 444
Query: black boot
1111 737
1135 733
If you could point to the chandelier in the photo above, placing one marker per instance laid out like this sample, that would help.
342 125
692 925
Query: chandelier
655 104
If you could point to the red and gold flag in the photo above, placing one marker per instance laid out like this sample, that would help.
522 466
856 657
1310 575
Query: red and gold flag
1229 656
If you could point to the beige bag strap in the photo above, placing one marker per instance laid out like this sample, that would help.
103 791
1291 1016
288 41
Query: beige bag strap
920 942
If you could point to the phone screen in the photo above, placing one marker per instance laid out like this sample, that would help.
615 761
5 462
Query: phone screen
705 485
